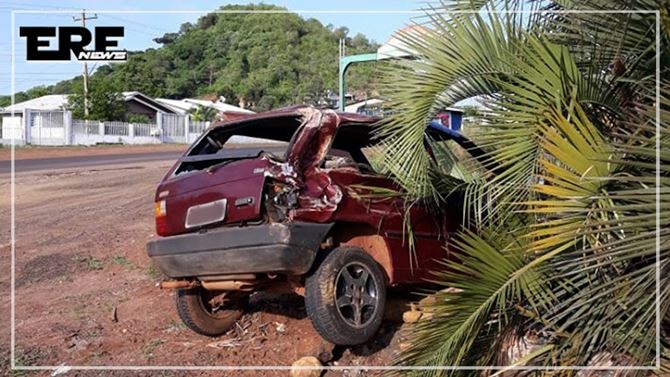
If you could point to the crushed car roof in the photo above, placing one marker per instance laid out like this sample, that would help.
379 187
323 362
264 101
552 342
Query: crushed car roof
297 111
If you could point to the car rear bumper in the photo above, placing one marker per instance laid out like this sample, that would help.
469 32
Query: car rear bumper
278 248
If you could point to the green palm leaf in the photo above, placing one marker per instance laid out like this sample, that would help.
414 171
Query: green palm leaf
565 239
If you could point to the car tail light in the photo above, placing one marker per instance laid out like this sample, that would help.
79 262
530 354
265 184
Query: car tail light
160 212
278 187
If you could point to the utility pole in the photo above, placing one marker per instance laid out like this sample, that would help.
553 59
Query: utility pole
343 48
83 19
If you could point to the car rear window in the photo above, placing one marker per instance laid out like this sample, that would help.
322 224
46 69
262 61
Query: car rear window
273 131
274 147
246 139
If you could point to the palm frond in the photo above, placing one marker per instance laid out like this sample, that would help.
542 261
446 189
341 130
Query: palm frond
567 239
485 285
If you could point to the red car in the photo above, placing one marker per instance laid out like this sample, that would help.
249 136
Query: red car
290 211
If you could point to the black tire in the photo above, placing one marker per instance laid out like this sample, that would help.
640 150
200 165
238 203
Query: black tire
331 300
196 313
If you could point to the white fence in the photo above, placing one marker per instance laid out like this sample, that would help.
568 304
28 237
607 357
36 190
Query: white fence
86 127
145 129
116 128
195 128
48 127
58 128
174 128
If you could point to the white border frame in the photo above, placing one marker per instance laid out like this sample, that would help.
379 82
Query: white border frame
65 368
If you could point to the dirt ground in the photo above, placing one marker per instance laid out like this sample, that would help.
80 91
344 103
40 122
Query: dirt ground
80 257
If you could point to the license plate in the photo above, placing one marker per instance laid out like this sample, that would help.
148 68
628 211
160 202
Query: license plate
205 214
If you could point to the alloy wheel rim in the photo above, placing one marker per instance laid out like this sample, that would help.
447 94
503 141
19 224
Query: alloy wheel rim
356 294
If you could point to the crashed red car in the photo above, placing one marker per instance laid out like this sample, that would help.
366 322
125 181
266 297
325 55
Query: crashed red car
291 213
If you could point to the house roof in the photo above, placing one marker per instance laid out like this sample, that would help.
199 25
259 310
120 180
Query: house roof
50 102
185 105
395 47
476 102
147 101
54 102
353 107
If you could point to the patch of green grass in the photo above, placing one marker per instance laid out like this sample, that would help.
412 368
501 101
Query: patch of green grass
96 357
165 373
120 260
25 358
150 347
175 326
90 262
154 273
92 333
80 312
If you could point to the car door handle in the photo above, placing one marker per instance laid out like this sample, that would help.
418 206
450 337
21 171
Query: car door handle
241 202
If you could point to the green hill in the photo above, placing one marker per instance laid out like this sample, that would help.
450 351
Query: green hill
263 60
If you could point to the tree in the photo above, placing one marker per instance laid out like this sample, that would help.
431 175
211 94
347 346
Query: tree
105 101
37 91
341 32
203 113
267 60
185 27
138 118
167 38
560 238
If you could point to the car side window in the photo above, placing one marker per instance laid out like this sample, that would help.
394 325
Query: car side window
348 147
373 156
338 159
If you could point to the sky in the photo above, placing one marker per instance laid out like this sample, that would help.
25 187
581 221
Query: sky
141 26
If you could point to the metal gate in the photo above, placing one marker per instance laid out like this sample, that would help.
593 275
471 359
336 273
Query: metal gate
47 127
12 128
174 128
195 129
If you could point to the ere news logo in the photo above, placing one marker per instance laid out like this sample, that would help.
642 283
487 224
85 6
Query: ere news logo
37 48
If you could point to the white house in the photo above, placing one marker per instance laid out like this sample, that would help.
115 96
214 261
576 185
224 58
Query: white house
136 102
51 102
12 116
49 117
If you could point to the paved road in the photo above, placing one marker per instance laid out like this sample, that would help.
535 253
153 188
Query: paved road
55 163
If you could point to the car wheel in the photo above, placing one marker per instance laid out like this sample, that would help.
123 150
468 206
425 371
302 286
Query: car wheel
198 314
345 296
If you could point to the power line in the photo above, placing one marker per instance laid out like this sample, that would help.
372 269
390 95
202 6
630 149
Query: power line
23 5
45 73
147 26
51 79
142 25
